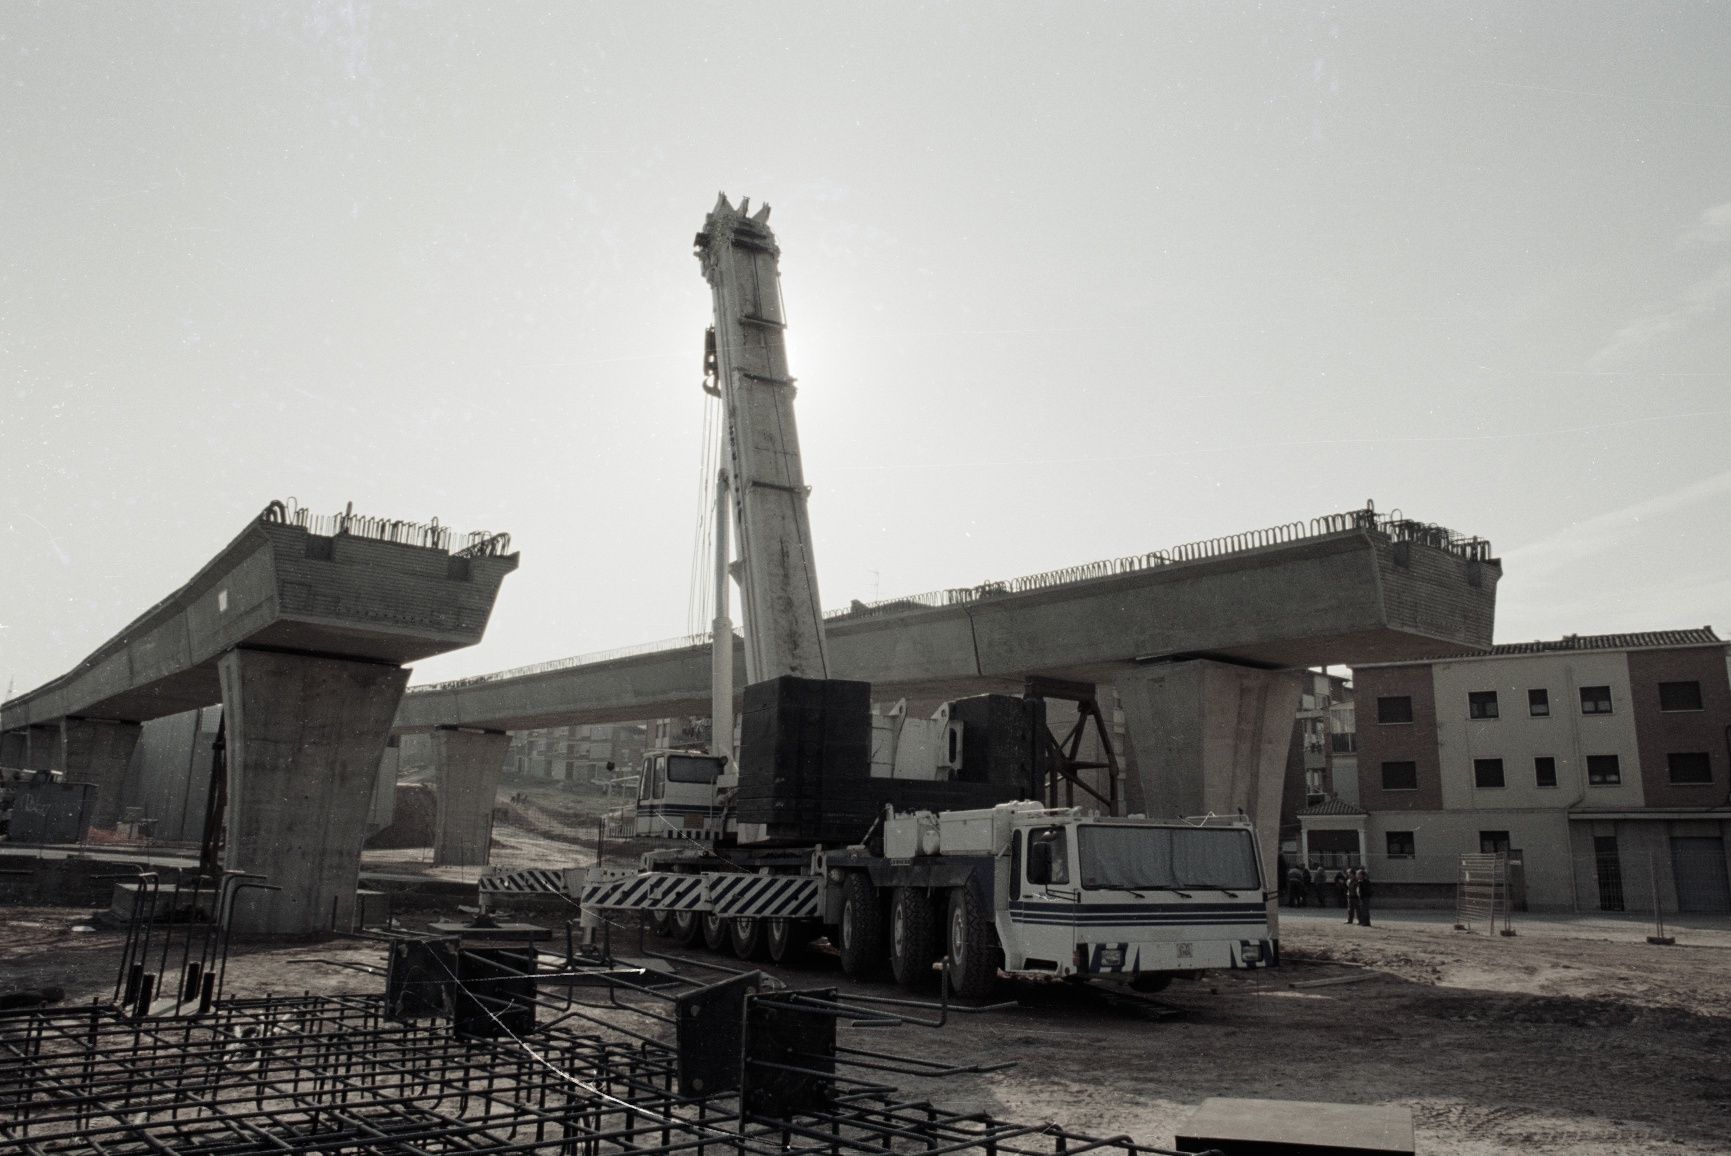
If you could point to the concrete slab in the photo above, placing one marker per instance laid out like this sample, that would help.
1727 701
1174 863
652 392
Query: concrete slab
1237 1127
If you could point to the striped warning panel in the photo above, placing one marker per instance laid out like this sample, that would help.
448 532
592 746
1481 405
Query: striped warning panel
631 891
526 880
681 893
770 896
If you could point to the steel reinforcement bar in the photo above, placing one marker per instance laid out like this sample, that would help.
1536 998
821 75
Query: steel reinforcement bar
476 544
332 1074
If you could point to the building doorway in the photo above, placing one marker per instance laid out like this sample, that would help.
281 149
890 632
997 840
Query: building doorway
1698 867
1609 865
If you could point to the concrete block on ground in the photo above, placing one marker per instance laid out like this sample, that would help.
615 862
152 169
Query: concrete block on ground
304 739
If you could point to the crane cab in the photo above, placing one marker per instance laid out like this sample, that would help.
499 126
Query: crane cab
678 796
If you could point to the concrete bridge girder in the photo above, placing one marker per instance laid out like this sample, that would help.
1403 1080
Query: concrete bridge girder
1343 597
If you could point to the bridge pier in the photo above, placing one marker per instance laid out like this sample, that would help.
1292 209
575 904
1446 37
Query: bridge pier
305 736
33 748
98 751
1210 736
467 765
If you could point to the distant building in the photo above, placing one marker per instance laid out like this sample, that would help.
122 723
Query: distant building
576 754
1599 763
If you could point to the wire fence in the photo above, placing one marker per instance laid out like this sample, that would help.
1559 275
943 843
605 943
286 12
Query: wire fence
1393 526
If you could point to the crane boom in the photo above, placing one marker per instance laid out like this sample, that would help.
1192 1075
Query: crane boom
783 619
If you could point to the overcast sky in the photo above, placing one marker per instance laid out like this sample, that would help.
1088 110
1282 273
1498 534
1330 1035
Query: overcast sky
1065 282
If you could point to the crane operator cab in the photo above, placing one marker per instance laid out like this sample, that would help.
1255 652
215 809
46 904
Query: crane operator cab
677 796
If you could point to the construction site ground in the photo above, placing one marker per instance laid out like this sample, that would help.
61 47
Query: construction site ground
1574 1035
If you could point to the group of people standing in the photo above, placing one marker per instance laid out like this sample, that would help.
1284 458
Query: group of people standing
1353 884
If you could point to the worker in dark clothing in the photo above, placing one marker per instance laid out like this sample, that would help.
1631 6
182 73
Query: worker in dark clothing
1362 882
1340 884
1351 895
1294 887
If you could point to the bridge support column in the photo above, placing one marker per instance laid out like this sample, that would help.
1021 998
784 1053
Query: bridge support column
304 739
32 748
466 769
98 751
1210 736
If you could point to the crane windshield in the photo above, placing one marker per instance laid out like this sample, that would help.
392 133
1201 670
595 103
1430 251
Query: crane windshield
1170 858
692 769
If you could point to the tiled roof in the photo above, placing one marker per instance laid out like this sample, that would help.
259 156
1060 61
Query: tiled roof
1332 807
1611 641
1700 636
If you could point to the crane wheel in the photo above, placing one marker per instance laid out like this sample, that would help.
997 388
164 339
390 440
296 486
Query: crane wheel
715 932
973 946
787 939
862 927
745 933
687 928
913 936
662 922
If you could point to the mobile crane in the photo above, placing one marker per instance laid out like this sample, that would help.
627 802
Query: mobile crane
902 840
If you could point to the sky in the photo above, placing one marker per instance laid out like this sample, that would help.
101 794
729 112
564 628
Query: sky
1064 282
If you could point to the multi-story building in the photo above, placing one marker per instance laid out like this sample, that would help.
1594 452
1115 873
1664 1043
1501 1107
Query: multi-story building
577 754
1601 764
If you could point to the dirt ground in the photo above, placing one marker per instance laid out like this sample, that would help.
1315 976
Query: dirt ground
1541 1043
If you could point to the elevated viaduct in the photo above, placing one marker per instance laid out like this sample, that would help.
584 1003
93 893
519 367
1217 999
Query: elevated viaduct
1200 643
301 627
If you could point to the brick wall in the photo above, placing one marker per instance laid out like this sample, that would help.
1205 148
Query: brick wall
1660 733
1385 742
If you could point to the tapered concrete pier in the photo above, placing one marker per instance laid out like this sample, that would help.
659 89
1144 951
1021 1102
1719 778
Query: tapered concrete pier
304 740
467 765
1211 738
97 751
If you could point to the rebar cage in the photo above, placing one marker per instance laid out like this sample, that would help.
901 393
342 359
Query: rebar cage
331 1074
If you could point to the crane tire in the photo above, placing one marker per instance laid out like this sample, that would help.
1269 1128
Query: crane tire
913 936
662 922
972 945
687 927
715 932
786 940
745 935
862 927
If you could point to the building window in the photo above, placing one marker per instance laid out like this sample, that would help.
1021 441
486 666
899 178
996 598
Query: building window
1482 704
1400 776
1539 703
1595 700
1394 709
1493 842
1603 770
1690 768
1400 845
1487 773
1545 771
1679 696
